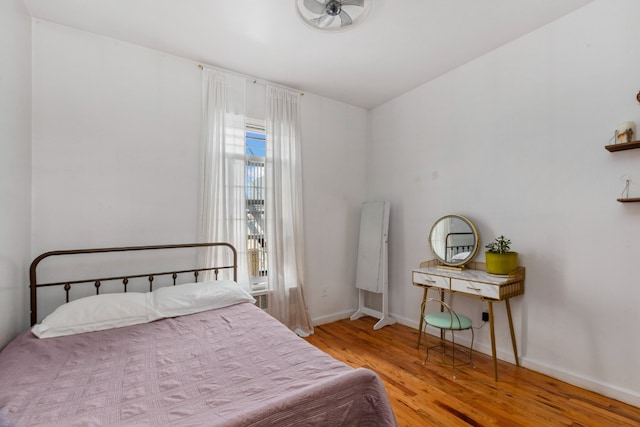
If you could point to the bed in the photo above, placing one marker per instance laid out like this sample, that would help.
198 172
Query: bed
233 365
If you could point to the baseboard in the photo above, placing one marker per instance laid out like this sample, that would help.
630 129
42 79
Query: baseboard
406 321
630 397
610 390
323 320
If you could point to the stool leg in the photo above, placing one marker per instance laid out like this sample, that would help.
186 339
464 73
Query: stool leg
426 357
471 349
453 352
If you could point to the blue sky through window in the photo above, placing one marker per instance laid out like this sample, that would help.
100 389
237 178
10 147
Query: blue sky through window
256 144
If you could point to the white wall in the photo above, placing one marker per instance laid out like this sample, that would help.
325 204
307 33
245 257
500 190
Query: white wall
115 142
115 158
514 140
334 138
15 166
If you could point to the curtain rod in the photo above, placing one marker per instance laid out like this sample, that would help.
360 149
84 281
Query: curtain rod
251 79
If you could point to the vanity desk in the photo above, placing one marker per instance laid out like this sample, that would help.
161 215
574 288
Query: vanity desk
474 281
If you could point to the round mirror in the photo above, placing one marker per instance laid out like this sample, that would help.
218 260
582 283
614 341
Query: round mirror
454 240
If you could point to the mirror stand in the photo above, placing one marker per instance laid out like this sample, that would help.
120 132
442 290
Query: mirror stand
442 266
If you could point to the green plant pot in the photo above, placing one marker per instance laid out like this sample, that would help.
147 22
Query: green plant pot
501 263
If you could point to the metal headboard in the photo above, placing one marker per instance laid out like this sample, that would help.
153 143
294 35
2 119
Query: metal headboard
34 285
453 249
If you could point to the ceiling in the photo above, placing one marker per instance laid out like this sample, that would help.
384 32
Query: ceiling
401 44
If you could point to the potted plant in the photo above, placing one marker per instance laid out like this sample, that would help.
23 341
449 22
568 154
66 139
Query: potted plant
499 259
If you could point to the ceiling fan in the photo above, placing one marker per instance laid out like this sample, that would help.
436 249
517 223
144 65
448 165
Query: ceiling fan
332 15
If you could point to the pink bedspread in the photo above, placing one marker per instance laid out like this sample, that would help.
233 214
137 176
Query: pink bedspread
234 366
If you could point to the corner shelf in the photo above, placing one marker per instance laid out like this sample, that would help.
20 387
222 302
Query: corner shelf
629 200
622 146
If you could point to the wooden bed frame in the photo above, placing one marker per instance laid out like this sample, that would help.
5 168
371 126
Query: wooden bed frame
34 285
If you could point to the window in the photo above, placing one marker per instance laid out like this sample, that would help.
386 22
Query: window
254 171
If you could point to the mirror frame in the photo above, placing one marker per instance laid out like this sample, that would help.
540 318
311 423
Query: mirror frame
474 252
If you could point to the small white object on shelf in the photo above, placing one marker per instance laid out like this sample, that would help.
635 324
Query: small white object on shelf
625 132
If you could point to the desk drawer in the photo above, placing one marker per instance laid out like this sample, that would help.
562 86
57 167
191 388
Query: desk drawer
430 280
475 288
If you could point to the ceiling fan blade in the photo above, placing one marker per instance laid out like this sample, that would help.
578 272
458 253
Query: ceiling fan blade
345 19
315 6
353 3
323 21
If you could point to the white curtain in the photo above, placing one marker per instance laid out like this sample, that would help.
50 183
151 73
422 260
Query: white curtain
283 211
222 210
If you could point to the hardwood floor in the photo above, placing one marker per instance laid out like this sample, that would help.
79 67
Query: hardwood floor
427 395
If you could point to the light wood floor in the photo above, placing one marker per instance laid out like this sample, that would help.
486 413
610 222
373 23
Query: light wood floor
427 395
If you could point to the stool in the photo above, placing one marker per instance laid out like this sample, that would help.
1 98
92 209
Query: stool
449 320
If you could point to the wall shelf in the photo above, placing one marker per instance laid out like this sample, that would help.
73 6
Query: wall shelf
623 146
629 200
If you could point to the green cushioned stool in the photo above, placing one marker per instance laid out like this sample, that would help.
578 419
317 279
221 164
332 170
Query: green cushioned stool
449 320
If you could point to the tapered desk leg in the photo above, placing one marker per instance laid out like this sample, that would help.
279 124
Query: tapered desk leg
424 299
493 342
513 335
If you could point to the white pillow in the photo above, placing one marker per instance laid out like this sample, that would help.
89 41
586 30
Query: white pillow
460 256
192 298
96 313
